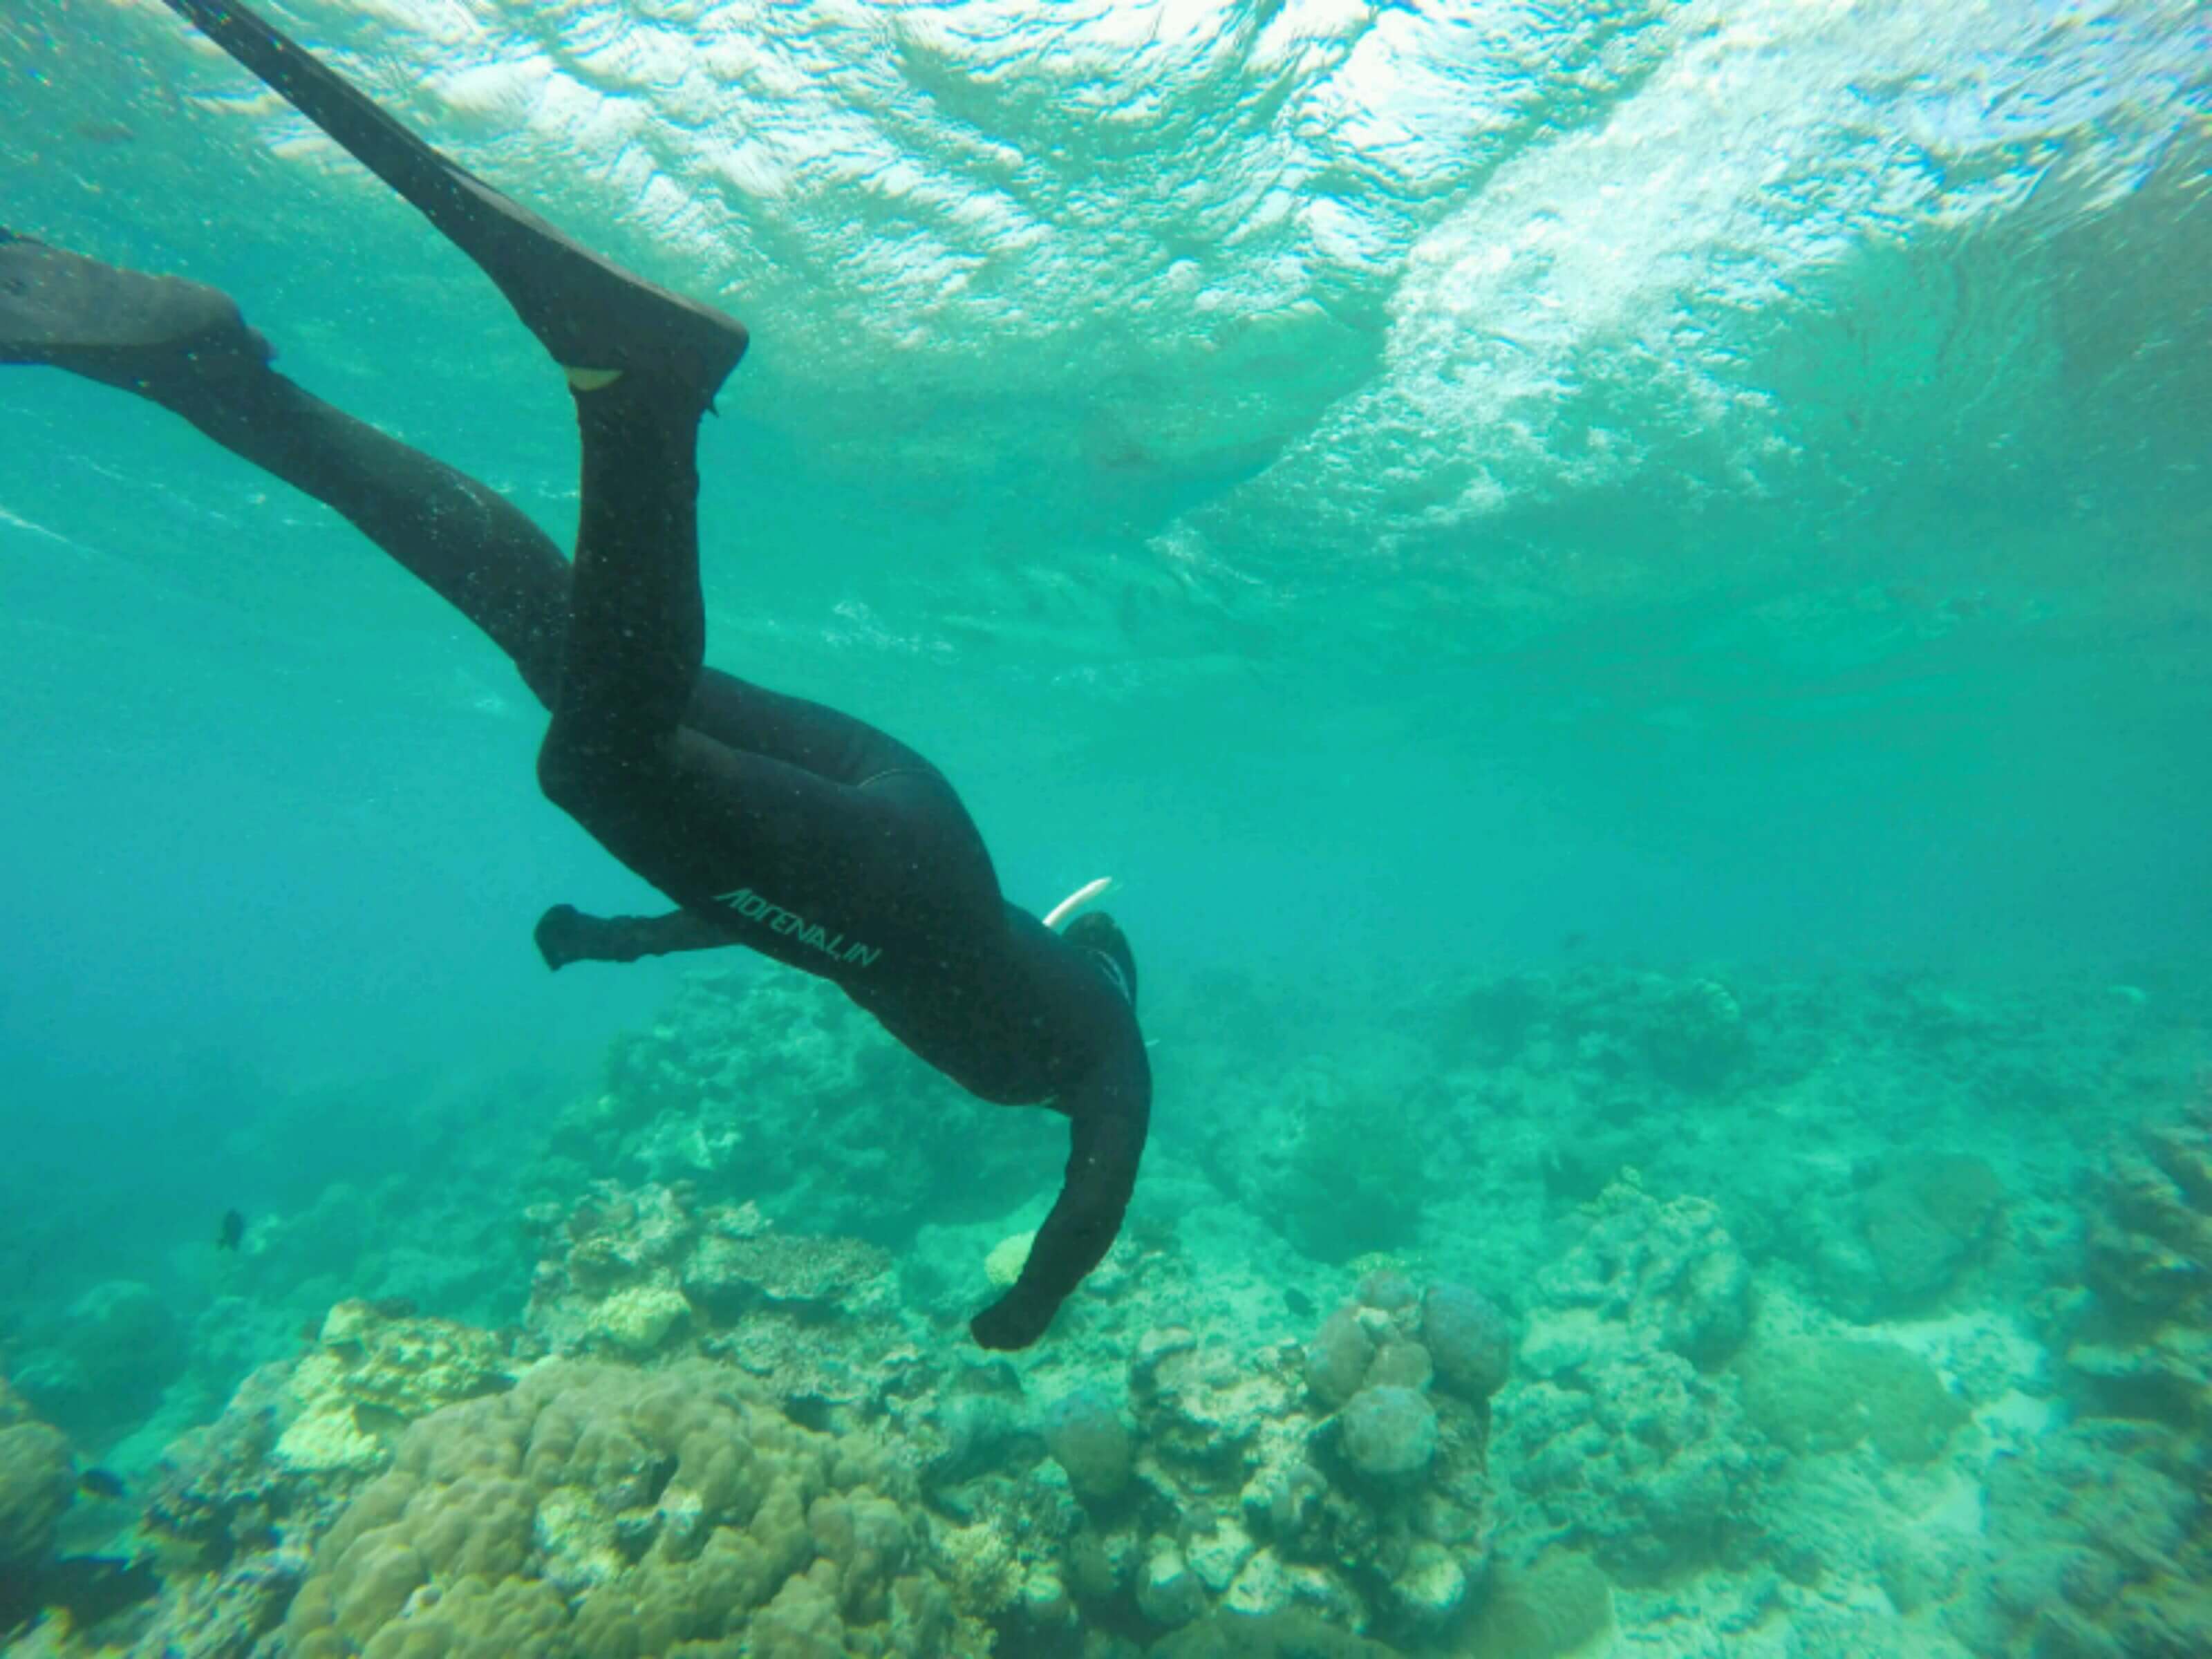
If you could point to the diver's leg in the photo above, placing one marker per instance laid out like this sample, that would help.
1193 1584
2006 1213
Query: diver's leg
592 316
697 817
468 544
184 346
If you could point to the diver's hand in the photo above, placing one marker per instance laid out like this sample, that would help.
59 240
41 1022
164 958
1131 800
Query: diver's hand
1014 1320
563 935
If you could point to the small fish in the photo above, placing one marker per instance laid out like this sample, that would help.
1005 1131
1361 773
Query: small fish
232 1231
101 1483
1300 1304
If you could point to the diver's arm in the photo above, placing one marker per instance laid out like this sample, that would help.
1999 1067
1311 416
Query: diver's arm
1108 1117
566 934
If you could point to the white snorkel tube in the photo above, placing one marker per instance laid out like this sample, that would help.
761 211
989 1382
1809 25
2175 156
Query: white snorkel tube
1090 893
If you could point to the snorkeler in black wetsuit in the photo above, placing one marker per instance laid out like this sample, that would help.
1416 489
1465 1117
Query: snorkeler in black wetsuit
770 822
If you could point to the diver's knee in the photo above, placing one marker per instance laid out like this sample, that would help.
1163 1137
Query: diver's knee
571 775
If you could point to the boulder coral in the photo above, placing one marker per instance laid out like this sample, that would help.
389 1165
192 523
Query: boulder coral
593 1512
1466 1338
1390 1433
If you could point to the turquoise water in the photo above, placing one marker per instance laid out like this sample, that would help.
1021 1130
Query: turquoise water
1624 591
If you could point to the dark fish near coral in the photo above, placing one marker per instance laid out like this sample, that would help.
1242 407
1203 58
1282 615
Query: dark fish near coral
232 1231
1300 1304
101 1483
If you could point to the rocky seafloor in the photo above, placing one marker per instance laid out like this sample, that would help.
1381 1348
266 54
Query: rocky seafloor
1587 1311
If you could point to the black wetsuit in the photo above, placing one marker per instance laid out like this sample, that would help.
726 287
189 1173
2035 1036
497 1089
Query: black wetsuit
771 822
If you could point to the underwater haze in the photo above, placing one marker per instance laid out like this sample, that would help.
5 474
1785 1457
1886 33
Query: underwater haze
1625 591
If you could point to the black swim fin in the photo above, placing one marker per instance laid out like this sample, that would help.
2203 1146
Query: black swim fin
123 327
589 313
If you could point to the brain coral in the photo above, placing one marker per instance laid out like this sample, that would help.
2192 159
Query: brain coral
1817 1394
595 1511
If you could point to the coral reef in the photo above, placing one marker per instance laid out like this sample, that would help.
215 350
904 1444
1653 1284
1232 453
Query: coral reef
1085 1436
1620 1443
373 1372
593 1512
1668 1275
1912 1237
2142 1345
1291 1635
102 1366
1611 1027
37 1481
650 1273
2095 1545
218 1493
1232 1495
714 1433
1466 1339
768 1085
1638 1459
1330 1150
1559 1603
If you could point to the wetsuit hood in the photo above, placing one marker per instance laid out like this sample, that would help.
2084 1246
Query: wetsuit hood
1096 932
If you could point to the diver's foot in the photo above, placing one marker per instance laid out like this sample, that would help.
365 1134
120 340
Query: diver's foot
123 327
600 322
